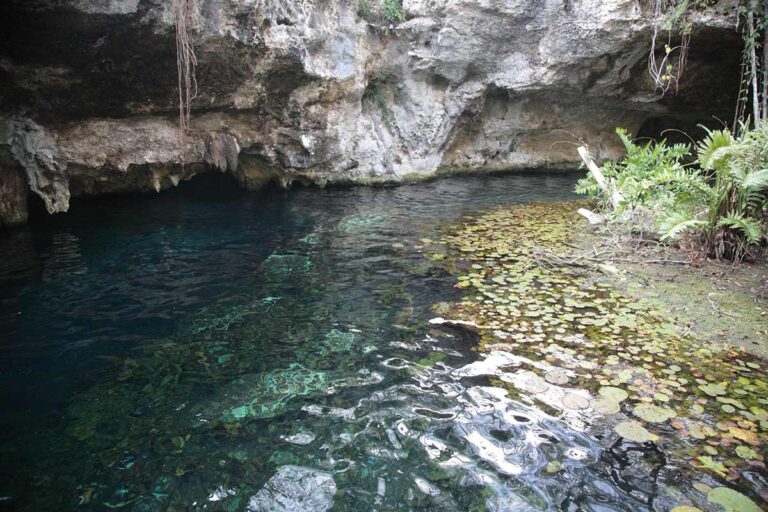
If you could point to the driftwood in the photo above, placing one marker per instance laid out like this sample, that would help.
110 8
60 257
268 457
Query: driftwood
606 186
592 217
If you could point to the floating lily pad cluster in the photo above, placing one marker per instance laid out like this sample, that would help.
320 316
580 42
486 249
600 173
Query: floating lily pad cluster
705 403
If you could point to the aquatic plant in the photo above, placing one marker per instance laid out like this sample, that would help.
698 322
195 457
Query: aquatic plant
571 330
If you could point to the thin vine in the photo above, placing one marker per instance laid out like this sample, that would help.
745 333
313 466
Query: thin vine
753 17
670 17
666 15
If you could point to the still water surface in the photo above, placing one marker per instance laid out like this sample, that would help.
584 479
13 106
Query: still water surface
210 349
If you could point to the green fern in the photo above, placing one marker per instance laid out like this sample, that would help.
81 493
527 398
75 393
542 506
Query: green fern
713 152
750 228
677 222
721 199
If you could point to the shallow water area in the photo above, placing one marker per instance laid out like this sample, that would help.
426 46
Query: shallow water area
209 349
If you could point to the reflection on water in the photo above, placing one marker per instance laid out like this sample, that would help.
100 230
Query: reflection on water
238 351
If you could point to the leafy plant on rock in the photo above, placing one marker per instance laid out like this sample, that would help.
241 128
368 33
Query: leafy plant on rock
383 14
377 92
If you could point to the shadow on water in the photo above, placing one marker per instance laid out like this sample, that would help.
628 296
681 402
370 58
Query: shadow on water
211 349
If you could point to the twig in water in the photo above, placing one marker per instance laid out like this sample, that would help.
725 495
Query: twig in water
716 307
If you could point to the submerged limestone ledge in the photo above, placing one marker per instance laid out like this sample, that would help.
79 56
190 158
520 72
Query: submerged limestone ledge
567 340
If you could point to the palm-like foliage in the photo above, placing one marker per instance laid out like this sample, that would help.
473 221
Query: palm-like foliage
739 178
722 202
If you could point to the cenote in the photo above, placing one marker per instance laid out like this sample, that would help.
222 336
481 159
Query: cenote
213 349
384 255
134 329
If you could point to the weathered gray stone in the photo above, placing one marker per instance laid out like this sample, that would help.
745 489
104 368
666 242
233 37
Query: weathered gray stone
308 91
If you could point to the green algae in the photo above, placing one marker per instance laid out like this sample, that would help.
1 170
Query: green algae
626 350
707 297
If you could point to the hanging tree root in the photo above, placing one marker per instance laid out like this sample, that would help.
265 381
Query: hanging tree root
186 62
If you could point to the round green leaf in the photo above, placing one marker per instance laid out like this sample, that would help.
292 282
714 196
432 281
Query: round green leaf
653 413
607 406
615 394
575 402
713 389
746 452
731 501
633 431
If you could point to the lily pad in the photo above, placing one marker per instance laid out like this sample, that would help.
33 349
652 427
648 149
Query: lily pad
653 413
712 465
558 377
554 466
731 501
746 452
607 406
713 389
615 394
575 402
634 431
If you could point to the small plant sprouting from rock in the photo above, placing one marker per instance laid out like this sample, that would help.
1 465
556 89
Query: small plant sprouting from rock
383 14
377 92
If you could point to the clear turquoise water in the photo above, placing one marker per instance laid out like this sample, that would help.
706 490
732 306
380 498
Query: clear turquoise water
174 352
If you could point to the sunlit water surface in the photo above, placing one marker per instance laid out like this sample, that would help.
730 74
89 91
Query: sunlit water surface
176 352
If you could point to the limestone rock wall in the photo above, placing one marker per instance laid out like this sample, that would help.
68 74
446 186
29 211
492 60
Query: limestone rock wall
308 91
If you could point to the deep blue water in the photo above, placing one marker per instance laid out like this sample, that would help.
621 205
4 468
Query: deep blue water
175 352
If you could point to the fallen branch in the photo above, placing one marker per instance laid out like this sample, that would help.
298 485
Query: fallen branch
716 308
592 258
592 217
605 185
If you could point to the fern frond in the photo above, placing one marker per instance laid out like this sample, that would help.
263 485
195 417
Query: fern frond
714 151
750 228
756 181
626 139
677 222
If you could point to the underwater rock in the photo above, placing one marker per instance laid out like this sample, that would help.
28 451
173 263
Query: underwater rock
295 489
279 267
263 395
334 342
300 438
